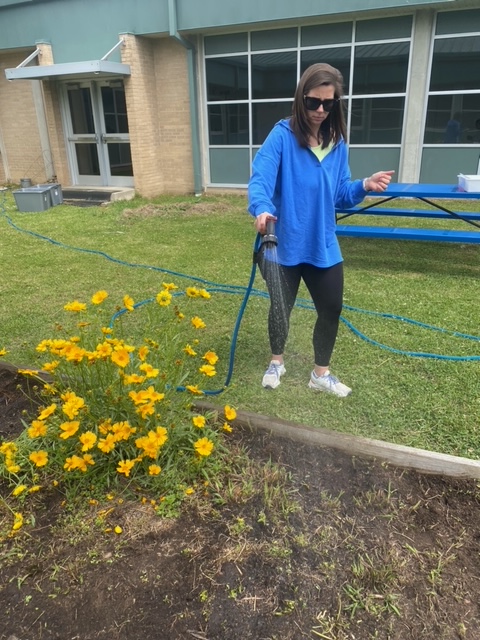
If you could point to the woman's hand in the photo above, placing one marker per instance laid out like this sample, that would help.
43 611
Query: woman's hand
261 222
379 181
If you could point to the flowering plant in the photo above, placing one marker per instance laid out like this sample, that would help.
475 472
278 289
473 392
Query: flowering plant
117 411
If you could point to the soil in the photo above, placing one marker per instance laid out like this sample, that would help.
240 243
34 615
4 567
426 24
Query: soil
305 543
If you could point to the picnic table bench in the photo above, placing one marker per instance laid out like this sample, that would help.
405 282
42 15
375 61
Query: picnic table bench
469 222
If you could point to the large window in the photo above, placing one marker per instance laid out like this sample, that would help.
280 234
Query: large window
250 79
452 125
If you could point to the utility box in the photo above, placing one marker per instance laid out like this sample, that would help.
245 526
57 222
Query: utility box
33 199
55 190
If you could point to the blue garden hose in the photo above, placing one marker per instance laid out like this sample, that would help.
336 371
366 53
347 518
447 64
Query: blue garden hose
248 291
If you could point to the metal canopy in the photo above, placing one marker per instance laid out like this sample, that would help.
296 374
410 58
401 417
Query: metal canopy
69 70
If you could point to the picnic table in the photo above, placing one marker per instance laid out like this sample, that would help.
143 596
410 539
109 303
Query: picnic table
468 230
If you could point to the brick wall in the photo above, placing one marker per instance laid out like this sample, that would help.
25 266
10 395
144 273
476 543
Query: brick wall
158 115
23 157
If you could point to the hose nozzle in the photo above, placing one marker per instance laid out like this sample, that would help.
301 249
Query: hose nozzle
270 239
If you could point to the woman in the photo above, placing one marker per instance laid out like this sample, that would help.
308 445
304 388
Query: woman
300 174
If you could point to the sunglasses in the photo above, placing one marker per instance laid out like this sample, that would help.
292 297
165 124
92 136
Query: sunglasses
312 104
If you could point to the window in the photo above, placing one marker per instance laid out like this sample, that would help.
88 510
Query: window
453 110
250 80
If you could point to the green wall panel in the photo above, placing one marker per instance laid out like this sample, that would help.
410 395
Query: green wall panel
193 14
79 30
229 166
364 162
442 166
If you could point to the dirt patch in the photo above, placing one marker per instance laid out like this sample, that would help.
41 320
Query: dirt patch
201 207
302 542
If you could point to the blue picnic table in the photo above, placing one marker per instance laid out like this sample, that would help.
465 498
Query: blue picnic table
427 193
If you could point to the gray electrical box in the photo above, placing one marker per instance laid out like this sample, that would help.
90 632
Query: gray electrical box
33 198
55 190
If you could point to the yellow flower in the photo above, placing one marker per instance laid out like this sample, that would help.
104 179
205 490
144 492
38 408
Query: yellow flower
50 366
75 306
99 297
88 440
120 357
133 378
69 429
27 372
17 521
211 357
230 413
164 298
104 350
49 389
38 429
47 412
199 421
128 303
8 448
3 352
189 491
125 466
35 488
148 370
204 446
227 428
169 286
193 388
107 444
118 529
189 351
39 458
154 470
198 323
18 490
73 405
13 468
122 430
143 353
208 370
192 292
203 293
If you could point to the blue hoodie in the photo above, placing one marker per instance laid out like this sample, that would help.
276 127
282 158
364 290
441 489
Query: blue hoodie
290 182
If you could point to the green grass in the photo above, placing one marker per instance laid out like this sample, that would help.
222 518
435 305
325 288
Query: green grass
422 402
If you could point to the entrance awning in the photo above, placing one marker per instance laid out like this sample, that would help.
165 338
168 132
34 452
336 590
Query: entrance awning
69 70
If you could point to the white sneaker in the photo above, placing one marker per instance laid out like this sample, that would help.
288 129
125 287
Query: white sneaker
272 376
330 384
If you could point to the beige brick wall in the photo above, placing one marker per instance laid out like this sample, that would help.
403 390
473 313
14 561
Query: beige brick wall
158 107
158 115
18 125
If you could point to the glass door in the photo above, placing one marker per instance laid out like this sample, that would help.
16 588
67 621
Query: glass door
98 139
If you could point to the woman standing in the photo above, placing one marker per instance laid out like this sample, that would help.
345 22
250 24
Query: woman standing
300 175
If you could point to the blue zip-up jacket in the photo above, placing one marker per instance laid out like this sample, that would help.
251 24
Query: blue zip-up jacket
290 182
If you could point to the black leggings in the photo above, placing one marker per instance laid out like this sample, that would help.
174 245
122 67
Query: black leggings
326 289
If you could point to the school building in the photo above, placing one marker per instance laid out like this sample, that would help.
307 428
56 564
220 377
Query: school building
176 96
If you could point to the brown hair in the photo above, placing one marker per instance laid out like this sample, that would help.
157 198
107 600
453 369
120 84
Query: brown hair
332 128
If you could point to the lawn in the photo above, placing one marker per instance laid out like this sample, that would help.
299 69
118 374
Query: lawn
402 300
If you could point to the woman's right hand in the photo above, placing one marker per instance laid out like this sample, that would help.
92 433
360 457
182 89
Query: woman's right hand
261 222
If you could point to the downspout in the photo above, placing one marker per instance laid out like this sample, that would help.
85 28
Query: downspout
193 94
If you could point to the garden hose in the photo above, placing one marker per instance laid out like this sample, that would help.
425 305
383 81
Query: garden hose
250 290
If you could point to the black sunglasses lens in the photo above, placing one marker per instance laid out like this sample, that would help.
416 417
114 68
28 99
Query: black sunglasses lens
312 104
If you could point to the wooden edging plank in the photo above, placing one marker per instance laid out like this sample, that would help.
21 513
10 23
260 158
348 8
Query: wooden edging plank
396 455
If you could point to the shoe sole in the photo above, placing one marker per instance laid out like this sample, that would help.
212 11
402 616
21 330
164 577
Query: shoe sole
271 386
315 388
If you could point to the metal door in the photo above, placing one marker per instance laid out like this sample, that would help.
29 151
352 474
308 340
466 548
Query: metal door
97 133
